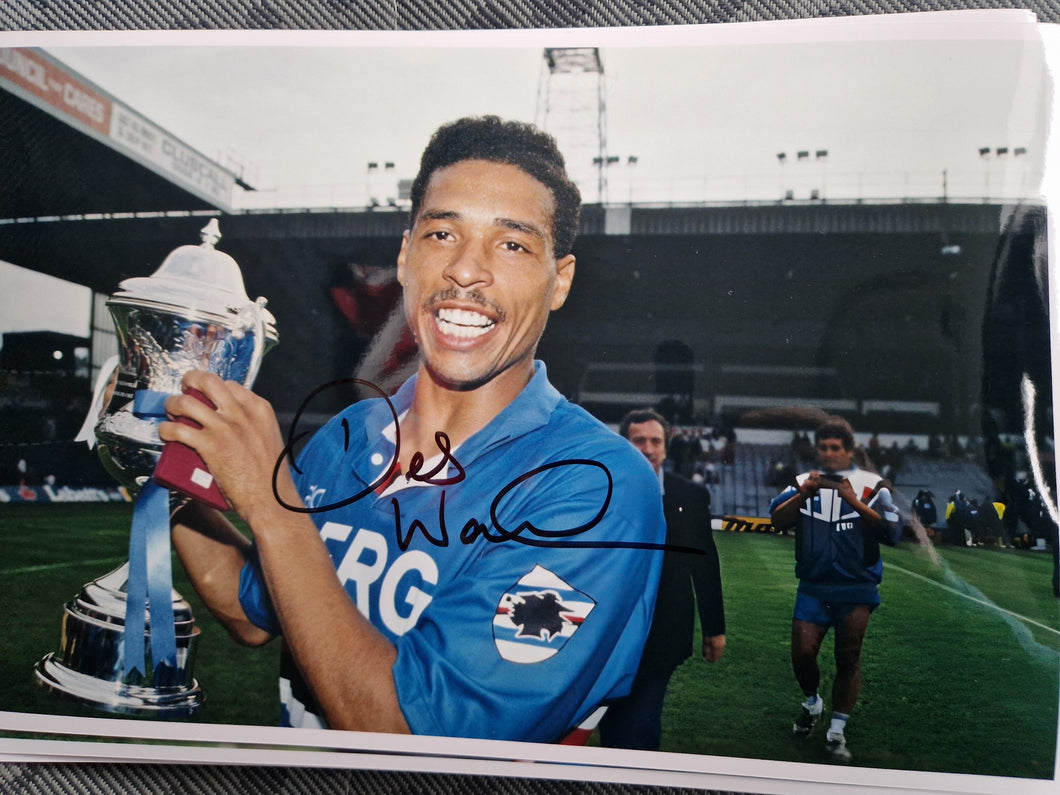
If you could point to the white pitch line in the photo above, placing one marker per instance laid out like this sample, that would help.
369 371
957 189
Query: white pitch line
892 567
47 566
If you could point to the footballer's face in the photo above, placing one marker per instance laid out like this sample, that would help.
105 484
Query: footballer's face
479 274
833 456
650 438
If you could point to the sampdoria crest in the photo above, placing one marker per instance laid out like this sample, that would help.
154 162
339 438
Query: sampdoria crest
537 616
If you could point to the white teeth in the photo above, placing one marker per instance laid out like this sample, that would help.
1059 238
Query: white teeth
463 317
463 323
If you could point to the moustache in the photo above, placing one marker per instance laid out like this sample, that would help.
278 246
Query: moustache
471 296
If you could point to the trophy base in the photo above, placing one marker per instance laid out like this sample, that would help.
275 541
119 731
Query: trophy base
89 668
117 697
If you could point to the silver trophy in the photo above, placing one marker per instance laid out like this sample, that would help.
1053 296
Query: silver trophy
193 313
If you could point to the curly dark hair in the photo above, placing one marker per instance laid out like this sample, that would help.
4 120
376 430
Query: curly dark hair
836 428
517 144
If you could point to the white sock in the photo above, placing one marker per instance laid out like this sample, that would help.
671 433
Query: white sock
839 722
813 703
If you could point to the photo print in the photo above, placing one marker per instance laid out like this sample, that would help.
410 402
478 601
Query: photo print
781 224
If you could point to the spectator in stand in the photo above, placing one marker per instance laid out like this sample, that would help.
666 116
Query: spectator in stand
893 460
991 530
678 453
728 450
926 510
802 447
962 519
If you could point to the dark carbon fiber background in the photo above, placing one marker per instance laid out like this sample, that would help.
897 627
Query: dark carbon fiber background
27 15
108 779
454 14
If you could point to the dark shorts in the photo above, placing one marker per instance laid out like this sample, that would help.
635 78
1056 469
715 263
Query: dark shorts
824 613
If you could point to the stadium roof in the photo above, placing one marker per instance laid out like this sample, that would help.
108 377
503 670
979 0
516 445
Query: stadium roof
94 193
53 169
70 148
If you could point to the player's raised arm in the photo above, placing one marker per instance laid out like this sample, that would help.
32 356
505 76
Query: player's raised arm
789 503
344 660
213 552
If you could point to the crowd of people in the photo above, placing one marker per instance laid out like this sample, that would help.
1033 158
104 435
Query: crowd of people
1020 519
697 453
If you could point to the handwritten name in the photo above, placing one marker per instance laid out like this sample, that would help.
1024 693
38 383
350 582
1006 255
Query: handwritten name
525 532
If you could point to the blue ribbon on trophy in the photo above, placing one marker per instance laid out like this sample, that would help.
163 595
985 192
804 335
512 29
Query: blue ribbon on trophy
150 587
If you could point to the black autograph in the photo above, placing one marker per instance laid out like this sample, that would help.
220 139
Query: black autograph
473 529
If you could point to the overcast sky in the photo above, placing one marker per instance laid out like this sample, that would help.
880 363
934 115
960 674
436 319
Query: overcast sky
895 101
705 122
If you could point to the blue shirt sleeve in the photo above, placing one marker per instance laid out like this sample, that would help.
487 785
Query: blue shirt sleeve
782 498
254 597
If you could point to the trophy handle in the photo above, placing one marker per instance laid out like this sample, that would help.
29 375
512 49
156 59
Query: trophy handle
253 316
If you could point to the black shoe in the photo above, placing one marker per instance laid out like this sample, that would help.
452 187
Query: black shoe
836 750
807 719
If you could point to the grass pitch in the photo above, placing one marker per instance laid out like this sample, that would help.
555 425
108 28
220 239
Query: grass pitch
961 664
960 667
54 549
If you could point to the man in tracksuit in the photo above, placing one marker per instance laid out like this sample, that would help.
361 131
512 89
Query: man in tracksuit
840 514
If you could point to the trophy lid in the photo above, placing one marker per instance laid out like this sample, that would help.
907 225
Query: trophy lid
194 278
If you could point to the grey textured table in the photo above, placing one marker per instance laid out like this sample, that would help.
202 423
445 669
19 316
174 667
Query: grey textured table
455 15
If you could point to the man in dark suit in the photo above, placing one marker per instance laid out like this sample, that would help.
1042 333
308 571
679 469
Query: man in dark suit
687 578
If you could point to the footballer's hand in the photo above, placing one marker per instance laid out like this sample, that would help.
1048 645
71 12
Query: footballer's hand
240 441
845 490
810 485
713 648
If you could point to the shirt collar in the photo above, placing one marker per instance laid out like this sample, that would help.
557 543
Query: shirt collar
846 472
530 410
